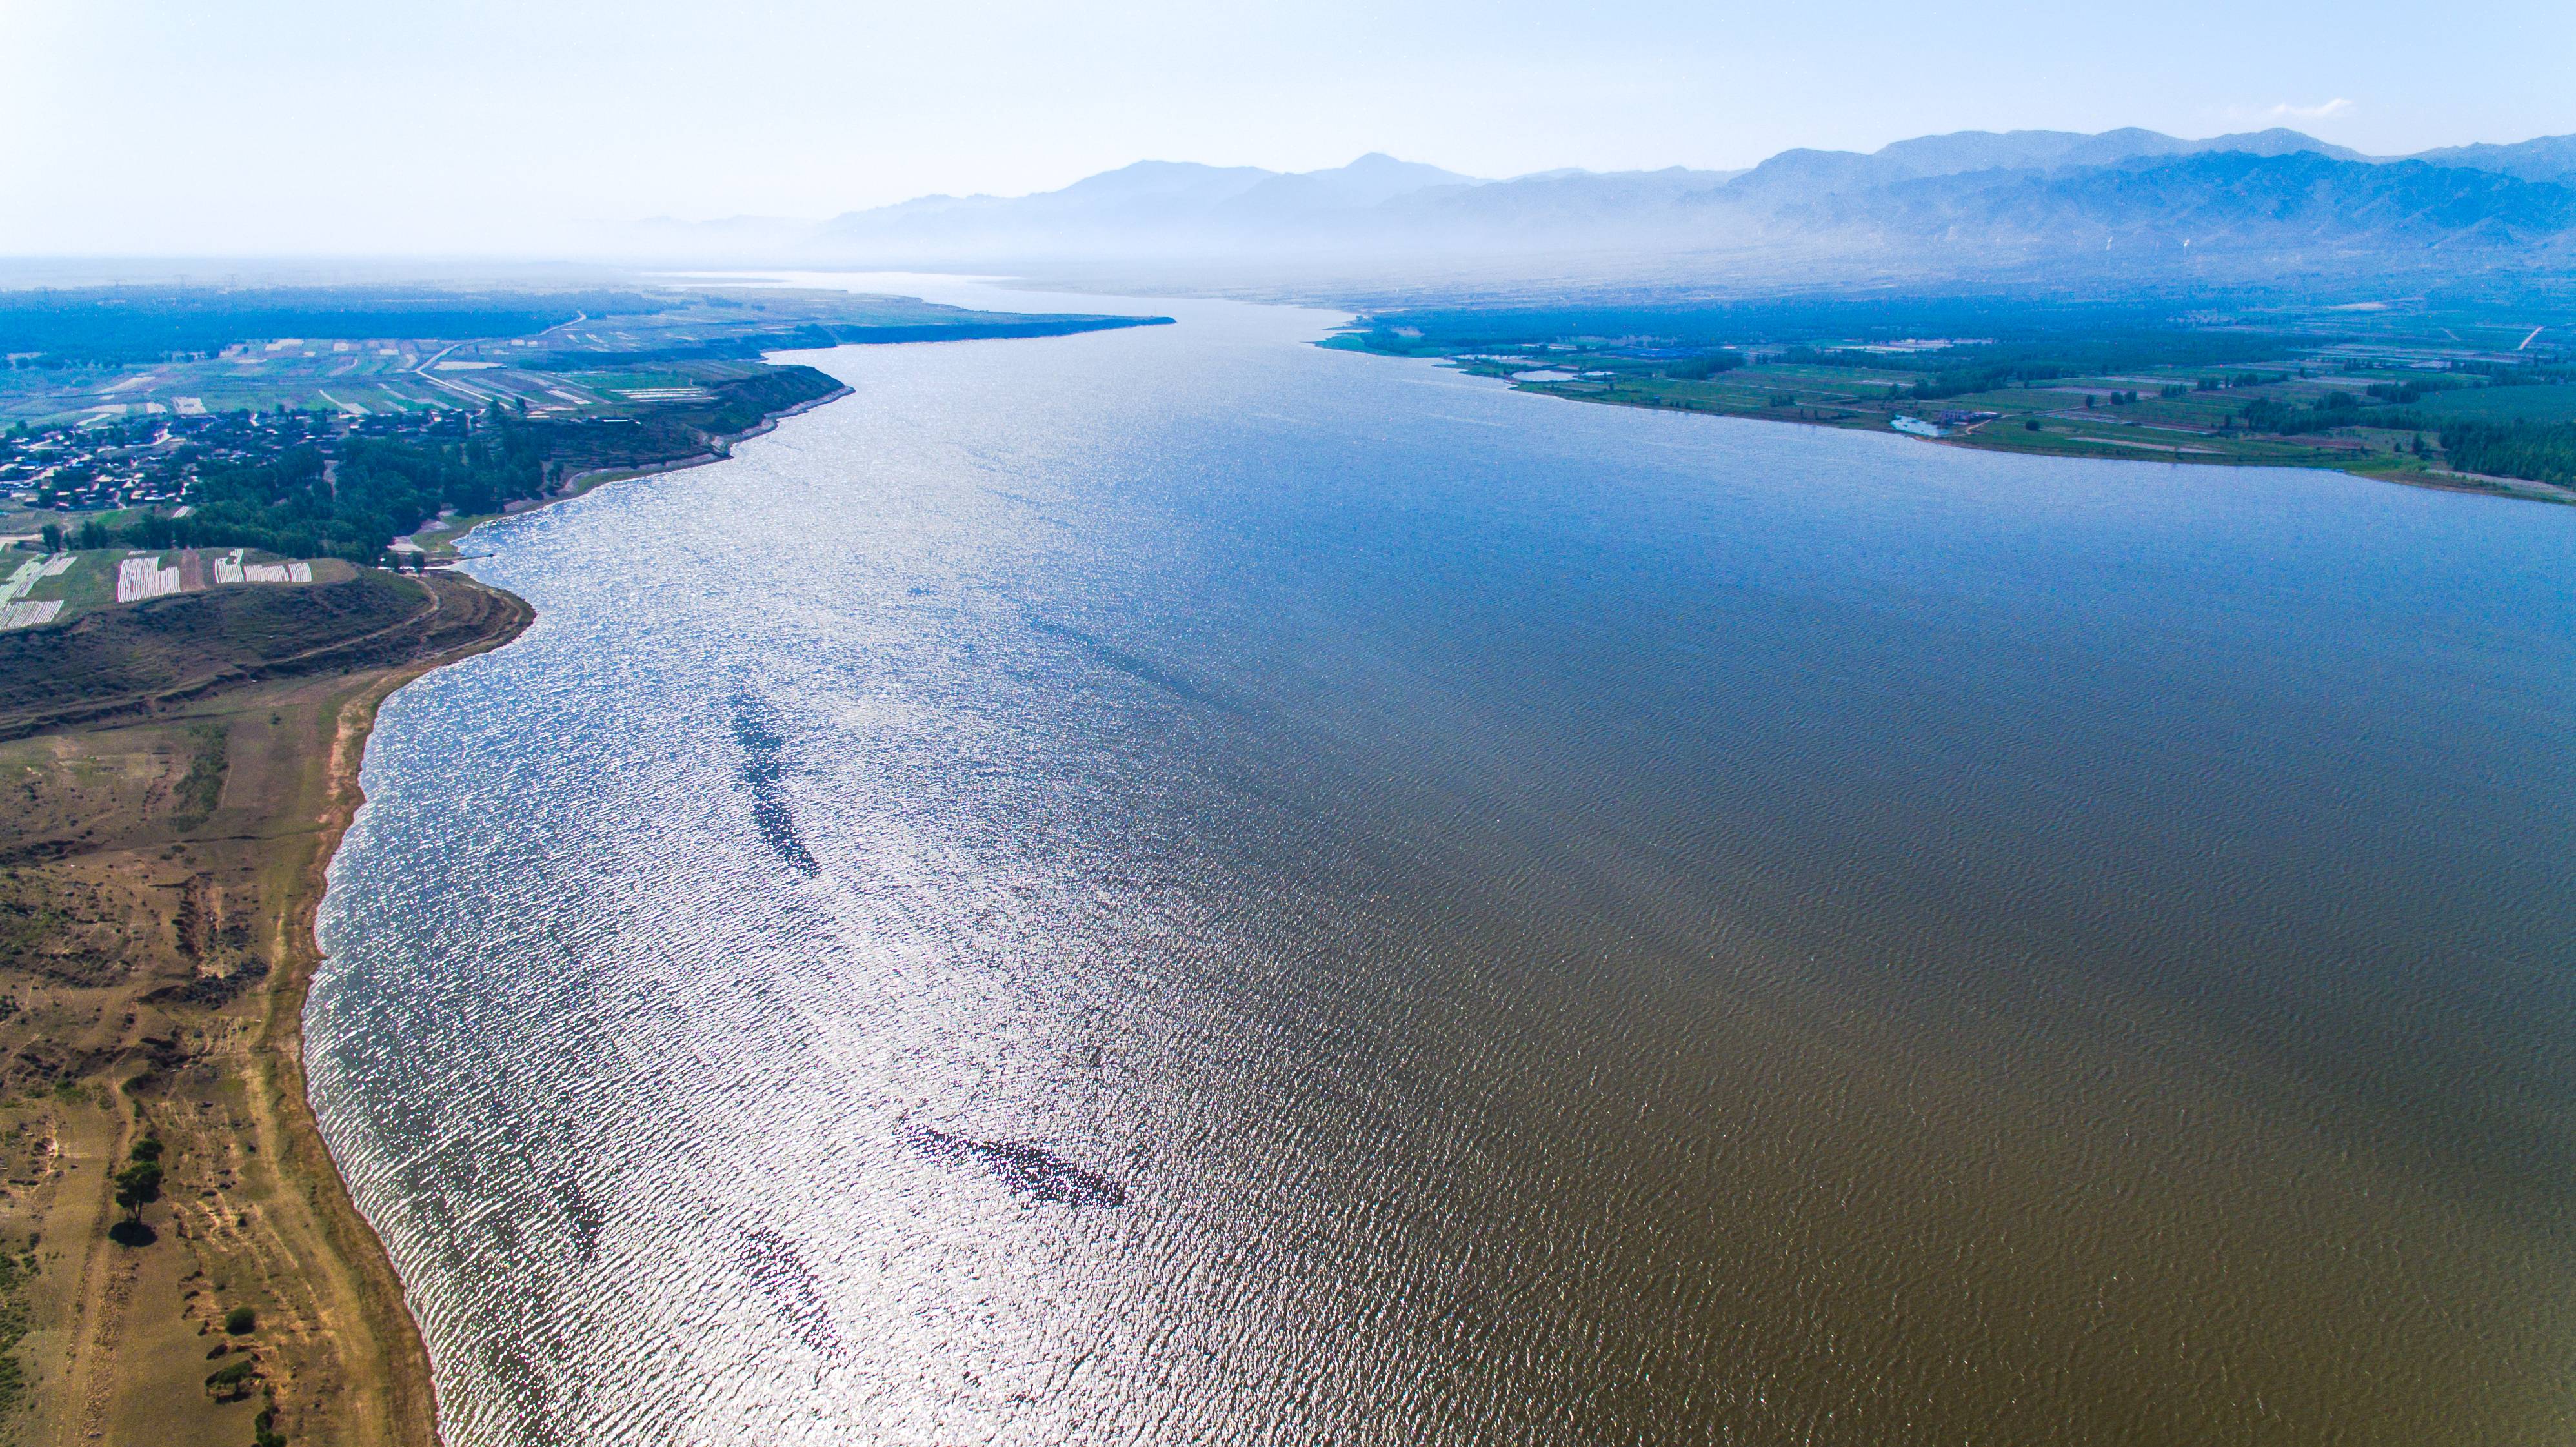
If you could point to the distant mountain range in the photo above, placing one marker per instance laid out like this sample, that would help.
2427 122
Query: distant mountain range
1974 201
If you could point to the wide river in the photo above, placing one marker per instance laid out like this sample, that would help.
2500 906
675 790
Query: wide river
1174 886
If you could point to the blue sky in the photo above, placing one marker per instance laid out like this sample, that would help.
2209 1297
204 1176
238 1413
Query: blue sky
141 128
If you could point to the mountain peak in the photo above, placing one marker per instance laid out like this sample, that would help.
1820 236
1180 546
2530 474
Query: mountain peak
1378 166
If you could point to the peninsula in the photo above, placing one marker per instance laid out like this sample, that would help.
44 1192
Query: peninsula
2455 393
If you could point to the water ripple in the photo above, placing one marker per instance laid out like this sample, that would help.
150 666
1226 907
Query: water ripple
1141 888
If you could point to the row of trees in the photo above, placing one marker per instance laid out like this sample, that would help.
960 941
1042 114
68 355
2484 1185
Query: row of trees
2414 389
2542 452
1705 365
2275 414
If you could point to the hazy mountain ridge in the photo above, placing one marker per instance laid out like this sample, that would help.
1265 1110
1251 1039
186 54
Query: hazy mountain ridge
1964 201
1804 173
2212 200
2548 158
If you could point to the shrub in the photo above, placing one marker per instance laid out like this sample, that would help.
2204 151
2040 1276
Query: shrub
231 1381
241 1321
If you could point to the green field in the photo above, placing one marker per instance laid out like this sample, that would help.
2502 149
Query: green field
81 357
2505 404
2186 429
2285 388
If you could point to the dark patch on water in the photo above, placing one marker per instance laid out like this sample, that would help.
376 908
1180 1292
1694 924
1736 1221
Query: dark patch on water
1026 1170
582 1216
764 768
783 1277
523 1391
1142 669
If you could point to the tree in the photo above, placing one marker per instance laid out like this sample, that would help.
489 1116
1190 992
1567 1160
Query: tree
140 1183
136 1186
53 537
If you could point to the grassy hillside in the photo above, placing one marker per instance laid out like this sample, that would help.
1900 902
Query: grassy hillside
132 659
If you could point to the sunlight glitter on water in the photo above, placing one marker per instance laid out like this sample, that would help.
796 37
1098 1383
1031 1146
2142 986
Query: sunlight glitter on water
1177 886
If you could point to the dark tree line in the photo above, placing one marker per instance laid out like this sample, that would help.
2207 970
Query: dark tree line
2542 452
353 501
2274 414
348 496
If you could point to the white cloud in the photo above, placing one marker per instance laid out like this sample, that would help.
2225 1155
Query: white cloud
2288 112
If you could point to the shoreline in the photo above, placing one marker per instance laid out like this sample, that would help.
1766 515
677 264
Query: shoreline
285 1108
582 484
2430 479
177 828
399 1352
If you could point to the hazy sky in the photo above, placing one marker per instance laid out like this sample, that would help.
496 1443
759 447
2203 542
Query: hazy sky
200 128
